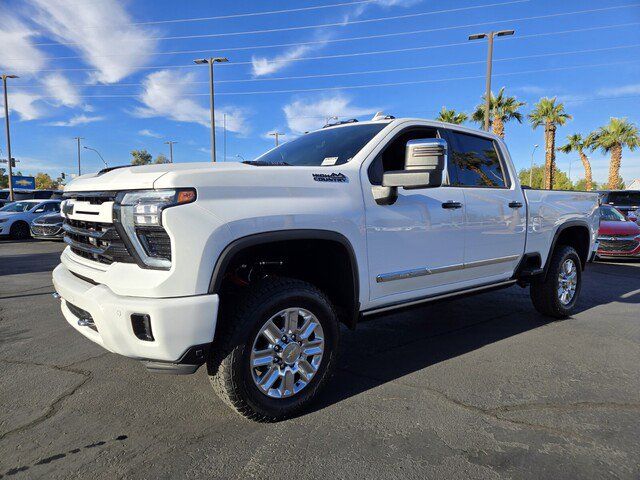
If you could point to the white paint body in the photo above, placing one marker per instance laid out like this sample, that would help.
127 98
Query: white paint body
235 200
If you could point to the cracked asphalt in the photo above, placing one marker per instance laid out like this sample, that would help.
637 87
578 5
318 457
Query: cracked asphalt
481 387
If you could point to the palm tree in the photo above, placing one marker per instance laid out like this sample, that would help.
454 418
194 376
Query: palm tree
451 116
576 143
612 138
501 109
550 114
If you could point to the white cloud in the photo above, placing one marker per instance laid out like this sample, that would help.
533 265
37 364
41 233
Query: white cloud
632 89
24 104
264 66
17 55
61 90
149 133
164 95
101 32
303 116
76 120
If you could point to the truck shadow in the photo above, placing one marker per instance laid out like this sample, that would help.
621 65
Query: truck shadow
390 347
29 263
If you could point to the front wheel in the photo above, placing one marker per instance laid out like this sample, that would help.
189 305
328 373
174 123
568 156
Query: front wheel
276 350
557 294
19 231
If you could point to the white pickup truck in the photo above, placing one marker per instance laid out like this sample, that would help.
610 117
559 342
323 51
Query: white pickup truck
250 267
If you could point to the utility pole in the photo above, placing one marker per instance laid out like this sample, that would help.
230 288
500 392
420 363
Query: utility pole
489 36
210 61
531 169
78 140
277 136
170 143
6 121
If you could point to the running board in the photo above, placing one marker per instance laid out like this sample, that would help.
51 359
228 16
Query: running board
433 298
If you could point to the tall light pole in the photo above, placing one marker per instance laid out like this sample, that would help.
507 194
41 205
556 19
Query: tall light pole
531 169
210 61
277 136
240 157
78 140
6 121
94 150
224 138
332 117
489 36
170 143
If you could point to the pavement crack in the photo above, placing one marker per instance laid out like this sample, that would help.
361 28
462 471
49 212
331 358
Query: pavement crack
54 407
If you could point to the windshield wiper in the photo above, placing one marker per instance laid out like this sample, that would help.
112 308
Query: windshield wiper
261 163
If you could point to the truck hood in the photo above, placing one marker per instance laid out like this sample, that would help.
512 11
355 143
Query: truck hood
144 176
618 228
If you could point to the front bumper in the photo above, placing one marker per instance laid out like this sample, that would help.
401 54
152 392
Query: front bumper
177 323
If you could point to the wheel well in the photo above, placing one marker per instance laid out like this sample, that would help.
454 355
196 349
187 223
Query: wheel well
329 264
576 236
19 222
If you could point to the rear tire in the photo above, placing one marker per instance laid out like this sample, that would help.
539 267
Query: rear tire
19 231
557 293
246 338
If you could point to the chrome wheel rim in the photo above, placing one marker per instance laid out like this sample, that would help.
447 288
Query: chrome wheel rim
287 352
567 281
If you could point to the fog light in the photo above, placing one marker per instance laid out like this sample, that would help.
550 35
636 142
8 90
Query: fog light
141 323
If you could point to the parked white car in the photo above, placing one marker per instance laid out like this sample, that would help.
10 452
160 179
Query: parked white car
16 217
250 267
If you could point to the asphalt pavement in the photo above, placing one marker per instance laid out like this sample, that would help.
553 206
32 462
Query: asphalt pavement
480 387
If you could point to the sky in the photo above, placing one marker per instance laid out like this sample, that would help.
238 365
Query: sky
120 74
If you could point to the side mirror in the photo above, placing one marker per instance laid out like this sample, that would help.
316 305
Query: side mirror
424 165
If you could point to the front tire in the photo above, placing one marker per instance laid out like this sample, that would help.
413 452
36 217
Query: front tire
19 231
275 350
557 294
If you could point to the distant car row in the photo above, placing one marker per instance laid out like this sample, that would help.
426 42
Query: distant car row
36 218
22 194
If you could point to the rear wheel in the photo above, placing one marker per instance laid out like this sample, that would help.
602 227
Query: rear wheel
557 294
19 230
276 350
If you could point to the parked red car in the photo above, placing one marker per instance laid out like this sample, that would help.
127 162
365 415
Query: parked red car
617 236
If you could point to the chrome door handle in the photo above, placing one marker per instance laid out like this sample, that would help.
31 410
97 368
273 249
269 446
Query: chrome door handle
515 205
451 205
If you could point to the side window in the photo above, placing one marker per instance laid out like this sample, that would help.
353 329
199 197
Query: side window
476 162
392 157
53 207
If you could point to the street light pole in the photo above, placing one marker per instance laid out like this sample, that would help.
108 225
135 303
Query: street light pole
332 117
210 61
224 126
78 140
489 36
94 150
170 143
277 136
531 169
6 121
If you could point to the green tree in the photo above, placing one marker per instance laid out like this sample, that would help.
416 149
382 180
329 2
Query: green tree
502 109
582 185
140 157
451 116
4 178
612 138
161 158
45 182
577 143
562 181
550 114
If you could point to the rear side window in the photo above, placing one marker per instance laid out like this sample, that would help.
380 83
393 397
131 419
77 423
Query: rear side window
476 162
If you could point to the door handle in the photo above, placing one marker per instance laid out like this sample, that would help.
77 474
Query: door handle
451 205
515 204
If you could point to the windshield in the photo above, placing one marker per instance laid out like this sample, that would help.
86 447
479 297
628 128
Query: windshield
18 207
610 214
623 198
332 146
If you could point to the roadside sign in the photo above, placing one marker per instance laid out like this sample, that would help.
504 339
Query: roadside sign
27 183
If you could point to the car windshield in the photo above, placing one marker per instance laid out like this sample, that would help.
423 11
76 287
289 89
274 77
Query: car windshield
623 198
17 207
610 214
331 146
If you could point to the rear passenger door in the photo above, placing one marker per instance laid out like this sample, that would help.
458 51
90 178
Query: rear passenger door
494 209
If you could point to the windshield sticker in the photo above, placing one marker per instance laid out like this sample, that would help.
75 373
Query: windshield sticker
329 161
334 177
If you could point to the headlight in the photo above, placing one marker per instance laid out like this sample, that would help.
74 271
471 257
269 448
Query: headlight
139 215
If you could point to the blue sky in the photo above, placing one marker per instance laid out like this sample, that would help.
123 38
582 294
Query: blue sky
121 74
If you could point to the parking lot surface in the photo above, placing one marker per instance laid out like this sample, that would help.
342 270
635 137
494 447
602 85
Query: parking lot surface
480 387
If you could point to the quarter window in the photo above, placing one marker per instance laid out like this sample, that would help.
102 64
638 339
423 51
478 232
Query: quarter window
476 162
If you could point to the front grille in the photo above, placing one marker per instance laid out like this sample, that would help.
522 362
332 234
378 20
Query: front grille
94 198
46 230
618 245
96 241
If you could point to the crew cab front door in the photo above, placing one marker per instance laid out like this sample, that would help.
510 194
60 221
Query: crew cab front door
415 246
